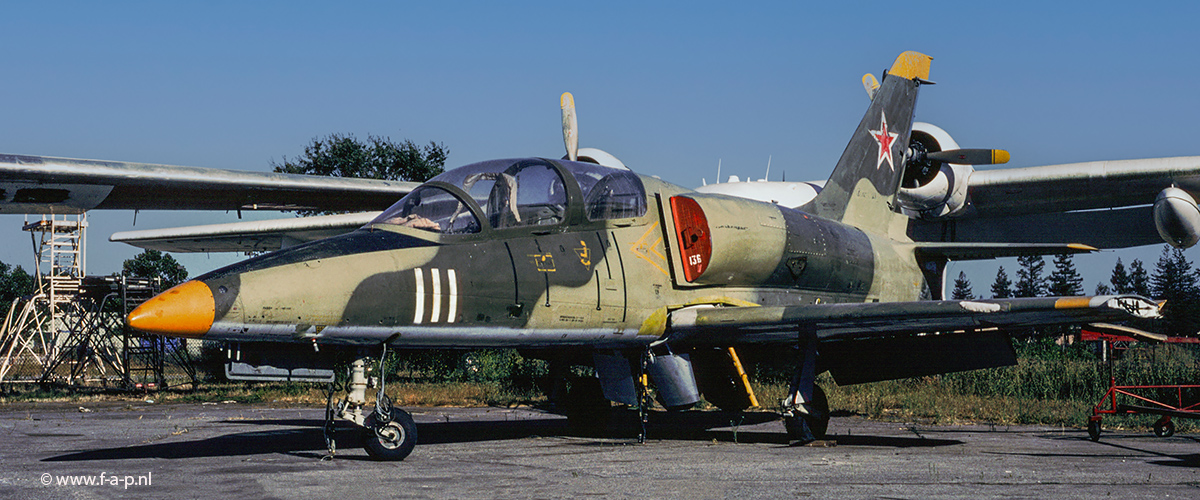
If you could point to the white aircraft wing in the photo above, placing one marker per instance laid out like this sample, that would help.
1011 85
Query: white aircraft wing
247 236
1105 204
41 185
1080 186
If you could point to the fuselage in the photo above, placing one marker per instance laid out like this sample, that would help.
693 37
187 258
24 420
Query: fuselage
536 252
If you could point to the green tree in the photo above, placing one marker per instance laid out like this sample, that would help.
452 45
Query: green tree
962 288
1065 279
1103 289
1121 282
1139 280
14 283
376 158
1174 280
1002 287
153 264
1030 282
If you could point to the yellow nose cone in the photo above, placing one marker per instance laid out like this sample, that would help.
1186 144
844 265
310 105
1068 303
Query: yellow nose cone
186 310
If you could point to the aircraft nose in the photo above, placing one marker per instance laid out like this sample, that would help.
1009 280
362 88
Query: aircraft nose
187 310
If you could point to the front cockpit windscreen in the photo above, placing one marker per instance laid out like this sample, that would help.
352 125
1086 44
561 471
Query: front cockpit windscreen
431 208
530 192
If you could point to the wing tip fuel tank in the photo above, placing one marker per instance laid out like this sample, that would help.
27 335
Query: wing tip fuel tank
187 310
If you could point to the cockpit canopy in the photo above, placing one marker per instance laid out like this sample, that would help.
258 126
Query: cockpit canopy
517 193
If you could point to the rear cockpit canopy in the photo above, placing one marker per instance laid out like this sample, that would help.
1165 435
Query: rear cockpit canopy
518 193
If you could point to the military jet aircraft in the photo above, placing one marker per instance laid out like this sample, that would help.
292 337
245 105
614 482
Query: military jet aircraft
638 277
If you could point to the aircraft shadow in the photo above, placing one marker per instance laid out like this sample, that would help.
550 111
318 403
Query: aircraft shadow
1123 445
305 438
287 441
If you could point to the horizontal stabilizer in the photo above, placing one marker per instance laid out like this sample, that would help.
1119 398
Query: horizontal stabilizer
981 251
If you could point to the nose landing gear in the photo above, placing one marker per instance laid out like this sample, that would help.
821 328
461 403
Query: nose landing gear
391 433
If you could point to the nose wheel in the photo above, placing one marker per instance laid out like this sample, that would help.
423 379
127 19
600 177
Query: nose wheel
390 432
390 437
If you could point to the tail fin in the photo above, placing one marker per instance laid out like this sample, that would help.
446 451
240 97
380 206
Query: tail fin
868 174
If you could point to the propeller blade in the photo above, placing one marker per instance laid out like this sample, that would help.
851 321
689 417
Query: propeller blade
570 125
871 85
971 156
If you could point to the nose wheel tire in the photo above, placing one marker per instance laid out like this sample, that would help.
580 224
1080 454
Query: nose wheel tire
392 440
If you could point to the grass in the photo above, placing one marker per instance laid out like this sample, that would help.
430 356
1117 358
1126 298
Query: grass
1050 385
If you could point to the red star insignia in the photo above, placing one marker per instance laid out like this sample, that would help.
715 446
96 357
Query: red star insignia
885 140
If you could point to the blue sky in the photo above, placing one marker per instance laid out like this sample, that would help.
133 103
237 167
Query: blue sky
669 88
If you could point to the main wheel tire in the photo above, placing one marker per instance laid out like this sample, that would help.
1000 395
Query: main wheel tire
718 380
1164 428
1094 430
392 441
811 426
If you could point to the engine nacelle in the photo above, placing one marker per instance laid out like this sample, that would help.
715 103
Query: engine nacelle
943 196
1177 218
933 189
727 241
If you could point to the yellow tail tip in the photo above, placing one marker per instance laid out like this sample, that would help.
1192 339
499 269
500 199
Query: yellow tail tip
911 65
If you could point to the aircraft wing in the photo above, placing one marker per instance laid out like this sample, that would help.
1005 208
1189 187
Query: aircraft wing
39 184
1080 186
1104 204
860 321
248 236
873 341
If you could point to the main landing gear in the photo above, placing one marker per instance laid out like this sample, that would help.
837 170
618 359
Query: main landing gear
806 410
390 432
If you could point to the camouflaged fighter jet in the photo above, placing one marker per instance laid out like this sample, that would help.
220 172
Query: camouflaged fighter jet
638 276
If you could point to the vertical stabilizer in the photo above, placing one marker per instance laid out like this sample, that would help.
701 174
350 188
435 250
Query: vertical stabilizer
864 183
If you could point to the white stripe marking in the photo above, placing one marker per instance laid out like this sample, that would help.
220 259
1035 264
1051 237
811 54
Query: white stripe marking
436 277
420 308
452 280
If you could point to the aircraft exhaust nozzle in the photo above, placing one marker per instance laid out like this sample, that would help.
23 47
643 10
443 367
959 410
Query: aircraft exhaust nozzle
187 310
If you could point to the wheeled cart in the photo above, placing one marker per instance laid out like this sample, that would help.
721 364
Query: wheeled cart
1145 399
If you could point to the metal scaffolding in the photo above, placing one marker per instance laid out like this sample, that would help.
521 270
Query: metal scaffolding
72 329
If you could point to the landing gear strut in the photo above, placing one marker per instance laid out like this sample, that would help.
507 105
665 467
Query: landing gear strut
391 432
806 410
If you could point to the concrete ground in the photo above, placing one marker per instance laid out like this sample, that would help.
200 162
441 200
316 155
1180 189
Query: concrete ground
238 451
